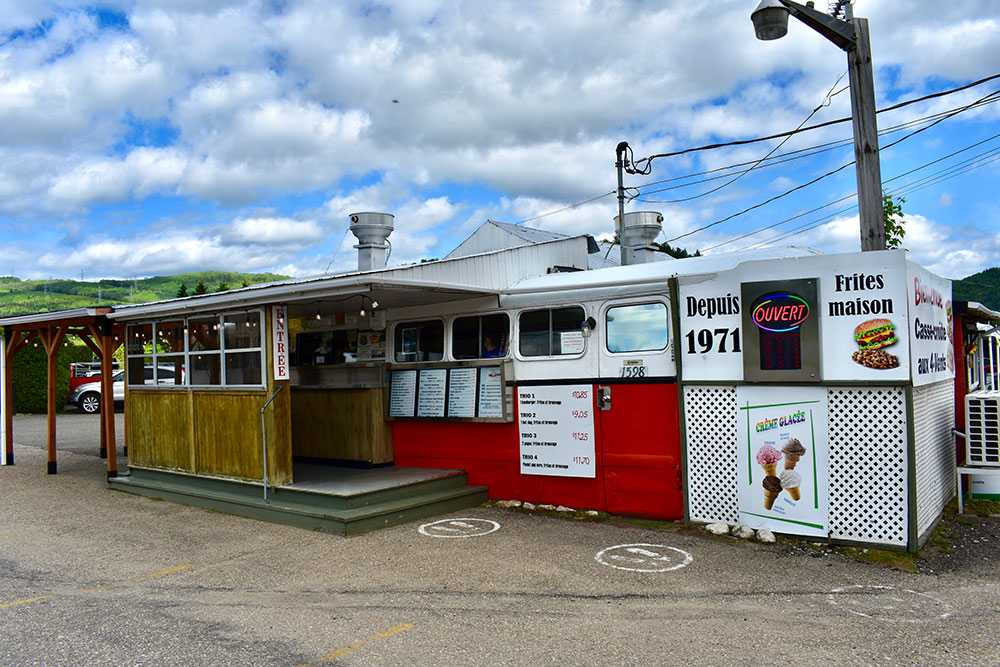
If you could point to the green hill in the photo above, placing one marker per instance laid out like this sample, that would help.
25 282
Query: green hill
23 297
983 287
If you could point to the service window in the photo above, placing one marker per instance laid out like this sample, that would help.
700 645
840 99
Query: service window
551 332
480 336
204 345
242 348
419 341
170 352
637 328
139 349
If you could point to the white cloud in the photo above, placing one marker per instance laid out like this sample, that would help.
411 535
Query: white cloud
273 232
245 106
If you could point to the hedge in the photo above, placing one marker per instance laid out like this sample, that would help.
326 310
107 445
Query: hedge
30 369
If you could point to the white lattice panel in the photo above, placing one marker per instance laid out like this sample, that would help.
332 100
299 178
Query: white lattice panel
710 425
867 438
934 449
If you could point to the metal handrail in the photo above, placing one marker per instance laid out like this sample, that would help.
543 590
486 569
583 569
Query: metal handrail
263 433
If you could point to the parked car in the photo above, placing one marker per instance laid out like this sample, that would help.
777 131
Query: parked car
87 397
85 372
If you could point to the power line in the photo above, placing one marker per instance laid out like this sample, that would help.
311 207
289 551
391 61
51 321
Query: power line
780 158
939 177
827 99
802 153
830 173
744 142
913 186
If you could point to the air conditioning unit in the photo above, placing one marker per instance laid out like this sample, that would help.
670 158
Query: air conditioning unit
982 428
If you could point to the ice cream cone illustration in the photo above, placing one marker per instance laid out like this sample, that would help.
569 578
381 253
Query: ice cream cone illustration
772 488
793 451
790 481
768 457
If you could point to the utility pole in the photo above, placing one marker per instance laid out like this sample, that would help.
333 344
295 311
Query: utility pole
770 21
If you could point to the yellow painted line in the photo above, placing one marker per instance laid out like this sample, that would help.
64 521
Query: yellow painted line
17 532
14 604
347 650
142 578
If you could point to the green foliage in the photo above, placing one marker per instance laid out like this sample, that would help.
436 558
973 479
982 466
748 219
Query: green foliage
200 288
983 287
677 253
21 297
30 371
223 287
892 213
182 291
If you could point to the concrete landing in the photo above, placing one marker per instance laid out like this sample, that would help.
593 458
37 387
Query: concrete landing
343 501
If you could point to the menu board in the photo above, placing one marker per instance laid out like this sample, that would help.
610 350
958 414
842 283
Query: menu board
462 392
556 427
402 393
491 396
431 392
466 392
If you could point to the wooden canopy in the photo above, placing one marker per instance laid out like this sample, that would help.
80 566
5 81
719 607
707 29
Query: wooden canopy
100 334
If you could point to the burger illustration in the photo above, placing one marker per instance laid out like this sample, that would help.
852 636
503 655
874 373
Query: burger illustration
871 336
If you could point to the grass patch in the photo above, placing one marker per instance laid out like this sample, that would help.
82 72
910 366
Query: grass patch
903 561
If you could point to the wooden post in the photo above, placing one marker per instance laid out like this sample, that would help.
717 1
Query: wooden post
14 345
869 172
51 340
108 399
95 332
6 424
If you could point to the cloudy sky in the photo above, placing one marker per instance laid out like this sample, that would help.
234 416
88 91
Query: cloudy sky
153 137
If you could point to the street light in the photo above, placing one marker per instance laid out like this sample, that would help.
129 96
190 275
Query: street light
770 21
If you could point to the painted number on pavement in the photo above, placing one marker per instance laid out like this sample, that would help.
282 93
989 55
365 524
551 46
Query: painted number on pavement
644 557
463 527
885 603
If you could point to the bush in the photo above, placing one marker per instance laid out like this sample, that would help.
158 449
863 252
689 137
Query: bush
30 370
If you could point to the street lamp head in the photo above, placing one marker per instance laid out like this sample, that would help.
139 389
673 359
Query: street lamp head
770 20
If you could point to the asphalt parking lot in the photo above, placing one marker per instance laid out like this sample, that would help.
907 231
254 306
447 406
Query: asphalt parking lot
91 576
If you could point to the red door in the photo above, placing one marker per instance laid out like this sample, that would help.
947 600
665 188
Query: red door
640 450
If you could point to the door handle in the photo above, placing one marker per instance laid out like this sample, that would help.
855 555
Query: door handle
604 398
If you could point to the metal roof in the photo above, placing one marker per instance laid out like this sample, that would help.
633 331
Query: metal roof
55 316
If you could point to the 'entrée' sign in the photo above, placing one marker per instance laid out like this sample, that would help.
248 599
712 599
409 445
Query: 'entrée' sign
279 342
780 312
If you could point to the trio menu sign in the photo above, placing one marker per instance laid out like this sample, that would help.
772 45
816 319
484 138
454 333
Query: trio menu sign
556 426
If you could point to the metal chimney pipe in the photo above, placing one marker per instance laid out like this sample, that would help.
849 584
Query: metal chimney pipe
372 230
640 229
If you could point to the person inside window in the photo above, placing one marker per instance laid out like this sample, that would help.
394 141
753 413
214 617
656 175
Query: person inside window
490 350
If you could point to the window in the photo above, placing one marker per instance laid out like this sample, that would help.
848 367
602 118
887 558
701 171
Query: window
419 341
480 336
639 328
222 350
551 332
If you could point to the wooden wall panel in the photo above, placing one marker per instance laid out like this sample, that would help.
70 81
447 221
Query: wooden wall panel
342 424
158 430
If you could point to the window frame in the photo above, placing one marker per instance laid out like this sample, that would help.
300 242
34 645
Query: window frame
398 326
549 309
479 342
186 356
631 304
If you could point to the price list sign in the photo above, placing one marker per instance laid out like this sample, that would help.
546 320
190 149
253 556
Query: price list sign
556 427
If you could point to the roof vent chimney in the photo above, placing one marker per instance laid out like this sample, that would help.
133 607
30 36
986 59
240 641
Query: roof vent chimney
641 229
372 230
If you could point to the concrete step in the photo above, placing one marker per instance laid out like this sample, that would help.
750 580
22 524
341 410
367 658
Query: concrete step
315 511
